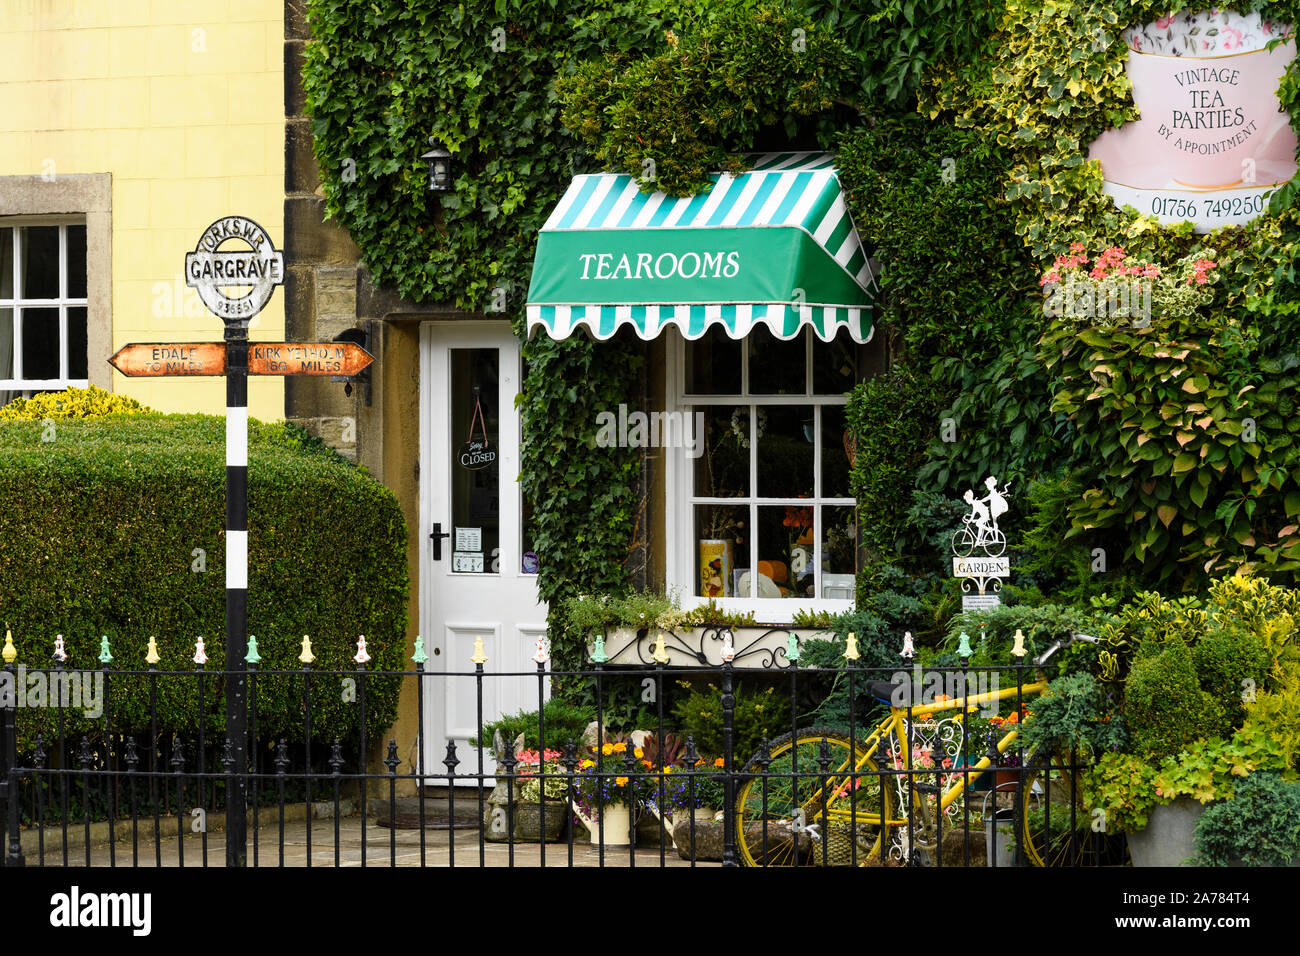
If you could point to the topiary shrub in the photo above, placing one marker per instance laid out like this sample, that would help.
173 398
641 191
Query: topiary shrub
1258 826
759 715
1232 663
1164 706
116 529
92 402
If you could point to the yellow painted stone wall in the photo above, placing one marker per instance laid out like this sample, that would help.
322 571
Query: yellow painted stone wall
182 101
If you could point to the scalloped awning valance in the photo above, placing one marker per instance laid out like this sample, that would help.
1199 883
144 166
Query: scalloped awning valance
773 246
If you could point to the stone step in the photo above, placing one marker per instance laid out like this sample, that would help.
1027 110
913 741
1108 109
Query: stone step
437 811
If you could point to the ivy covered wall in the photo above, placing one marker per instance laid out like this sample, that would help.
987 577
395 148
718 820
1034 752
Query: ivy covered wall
962 130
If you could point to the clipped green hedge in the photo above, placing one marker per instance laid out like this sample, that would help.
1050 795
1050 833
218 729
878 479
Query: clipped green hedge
98 531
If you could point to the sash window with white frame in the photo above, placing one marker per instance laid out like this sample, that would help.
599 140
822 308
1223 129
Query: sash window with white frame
760 508
43 306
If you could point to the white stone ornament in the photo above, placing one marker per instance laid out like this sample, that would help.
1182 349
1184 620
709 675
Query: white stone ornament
542 652
909 650
362 656
728 652
200 655
59 653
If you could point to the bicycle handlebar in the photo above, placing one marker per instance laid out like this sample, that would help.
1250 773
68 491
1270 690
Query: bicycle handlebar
1062 642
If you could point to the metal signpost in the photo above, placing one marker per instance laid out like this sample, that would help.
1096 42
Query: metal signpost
978 547
258 269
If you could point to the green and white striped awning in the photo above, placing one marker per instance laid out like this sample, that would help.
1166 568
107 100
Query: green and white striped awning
773 246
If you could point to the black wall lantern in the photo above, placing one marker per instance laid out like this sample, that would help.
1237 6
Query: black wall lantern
439 161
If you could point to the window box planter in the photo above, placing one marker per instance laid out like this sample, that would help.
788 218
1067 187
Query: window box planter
761 646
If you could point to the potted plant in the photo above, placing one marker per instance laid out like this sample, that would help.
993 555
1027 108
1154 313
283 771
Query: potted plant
697 818
1205 702
541 807
608 790
1259 825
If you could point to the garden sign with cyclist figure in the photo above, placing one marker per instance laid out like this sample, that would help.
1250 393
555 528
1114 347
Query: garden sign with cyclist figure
979 548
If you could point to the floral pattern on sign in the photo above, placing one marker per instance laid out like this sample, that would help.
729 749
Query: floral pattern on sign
1205 33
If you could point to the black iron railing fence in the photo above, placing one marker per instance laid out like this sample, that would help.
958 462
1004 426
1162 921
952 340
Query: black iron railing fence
938 787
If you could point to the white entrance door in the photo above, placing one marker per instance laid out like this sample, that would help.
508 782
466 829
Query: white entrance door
477 571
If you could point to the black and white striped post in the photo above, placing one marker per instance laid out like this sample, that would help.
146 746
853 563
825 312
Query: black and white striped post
258 269
237 593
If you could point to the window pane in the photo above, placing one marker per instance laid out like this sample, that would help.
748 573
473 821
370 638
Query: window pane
775 367
77 342
722 471
713 364
6 343
39 251
836 442
785 547
839 552
6 263
475 487
835 365
785 451
720 541
76 262
40 343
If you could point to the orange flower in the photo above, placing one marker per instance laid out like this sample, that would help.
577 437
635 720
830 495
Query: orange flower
700 762
621 781
1014 718
719 762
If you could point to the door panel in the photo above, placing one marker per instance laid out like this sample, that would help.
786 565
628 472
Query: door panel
473 584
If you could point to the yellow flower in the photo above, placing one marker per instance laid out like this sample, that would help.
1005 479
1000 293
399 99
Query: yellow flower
638 753
668 769
620 748
621 781
589 763
607 749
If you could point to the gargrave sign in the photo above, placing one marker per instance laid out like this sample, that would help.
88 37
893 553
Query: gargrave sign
259 268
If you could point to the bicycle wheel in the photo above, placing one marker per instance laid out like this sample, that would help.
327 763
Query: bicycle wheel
812 806
994 544
1055 825
963 542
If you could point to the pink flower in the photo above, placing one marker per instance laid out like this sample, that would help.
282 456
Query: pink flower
1077 247
1163 22
1231 38
1052 276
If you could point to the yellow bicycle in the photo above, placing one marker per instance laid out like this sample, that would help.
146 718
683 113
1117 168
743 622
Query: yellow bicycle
817 797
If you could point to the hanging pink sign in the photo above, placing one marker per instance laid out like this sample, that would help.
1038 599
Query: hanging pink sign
1213 141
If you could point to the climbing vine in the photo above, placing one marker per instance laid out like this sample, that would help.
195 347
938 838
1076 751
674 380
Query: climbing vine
380 77
673 117
1184 430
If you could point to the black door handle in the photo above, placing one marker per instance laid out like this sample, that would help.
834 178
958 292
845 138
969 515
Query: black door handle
437 535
